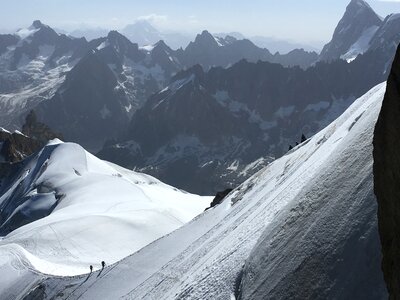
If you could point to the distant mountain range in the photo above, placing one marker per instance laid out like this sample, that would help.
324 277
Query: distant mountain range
144 33
211 129
204 130
204 105
272 44
90 90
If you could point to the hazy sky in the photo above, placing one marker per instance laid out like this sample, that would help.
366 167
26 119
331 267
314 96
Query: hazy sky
298 20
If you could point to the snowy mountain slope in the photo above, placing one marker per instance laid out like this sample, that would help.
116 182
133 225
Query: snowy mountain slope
319 194
330 226
65 209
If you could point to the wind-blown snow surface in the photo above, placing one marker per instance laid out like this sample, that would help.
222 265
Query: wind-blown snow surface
308 219
98 211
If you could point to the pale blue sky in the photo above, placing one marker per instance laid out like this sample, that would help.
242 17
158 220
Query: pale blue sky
299 20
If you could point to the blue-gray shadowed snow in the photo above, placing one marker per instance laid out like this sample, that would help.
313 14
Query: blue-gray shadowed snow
303 227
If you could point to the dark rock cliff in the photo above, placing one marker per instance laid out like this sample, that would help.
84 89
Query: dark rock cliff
16 146
387 179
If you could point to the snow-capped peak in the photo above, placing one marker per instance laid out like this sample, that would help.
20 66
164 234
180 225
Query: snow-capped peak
35 27
353 33
80 210
206 39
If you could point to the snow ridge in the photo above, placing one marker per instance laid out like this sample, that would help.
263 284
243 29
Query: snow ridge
94 211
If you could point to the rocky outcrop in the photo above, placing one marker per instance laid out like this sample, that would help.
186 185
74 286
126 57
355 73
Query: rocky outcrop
38 130
387 178
219 197
16 146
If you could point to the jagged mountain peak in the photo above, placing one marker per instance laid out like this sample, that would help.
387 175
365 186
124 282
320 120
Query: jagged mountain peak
353 33
206 39
116 46
360 3
205 33
117 39
360 6
161 45
358 14
37 24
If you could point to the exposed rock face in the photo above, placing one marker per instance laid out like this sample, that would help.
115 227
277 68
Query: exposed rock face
38 130
7 40
387 179
88 107
15 146
219 197
387 36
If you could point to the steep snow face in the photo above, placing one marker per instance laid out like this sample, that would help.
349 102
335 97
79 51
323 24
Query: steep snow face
361 45
310 213
83 210
326 244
